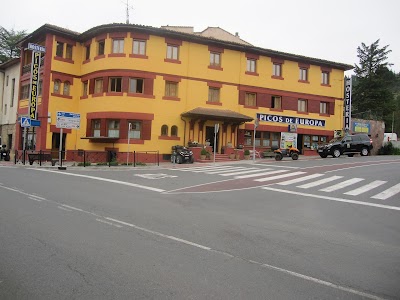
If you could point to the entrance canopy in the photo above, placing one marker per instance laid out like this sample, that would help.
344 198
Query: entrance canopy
228 116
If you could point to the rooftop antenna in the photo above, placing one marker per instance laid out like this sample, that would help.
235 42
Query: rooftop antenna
128 8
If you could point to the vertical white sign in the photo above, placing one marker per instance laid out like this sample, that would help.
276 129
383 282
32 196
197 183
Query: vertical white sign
347 105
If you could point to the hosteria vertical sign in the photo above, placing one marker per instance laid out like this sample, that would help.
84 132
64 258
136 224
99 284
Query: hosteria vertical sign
35 69
347 105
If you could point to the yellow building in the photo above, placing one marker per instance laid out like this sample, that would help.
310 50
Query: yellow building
164 86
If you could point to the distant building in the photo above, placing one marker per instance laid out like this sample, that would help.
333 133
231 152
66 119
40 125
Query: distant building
172 85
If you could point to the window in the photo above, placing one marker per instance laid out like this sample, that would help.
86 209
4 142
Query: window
303 74
135 132
84 88
172 52
98 86
66 88
277 70
174 130
7 80
25 91
276 102
87 53
139 47
136 85
215 59
171 89
68 52
312 141
115 84
302 105
251 65
96 128
113 128
250 99
118 46
213 94
323 108
325 78
60 49
12 92
5 109
263 138
164 130
100 47
57 84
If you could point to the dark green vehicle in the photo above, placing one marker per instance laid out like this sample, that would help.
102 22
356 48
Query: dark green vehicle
349 144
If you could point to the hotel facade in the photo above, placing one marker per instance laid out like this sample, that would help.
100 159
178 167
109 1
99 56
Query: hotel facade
160 87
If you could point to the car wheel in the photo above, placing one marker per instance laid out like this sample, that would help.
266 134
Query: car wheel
278 156
323 155
364 151
179 159
350 155
191 160
295 156
336 153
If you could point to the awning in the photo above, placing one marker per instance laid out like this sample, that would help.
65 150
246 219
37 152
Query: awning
225 115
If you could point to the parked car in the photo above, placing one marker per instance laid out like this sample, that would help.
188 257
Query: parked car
349 144
181 154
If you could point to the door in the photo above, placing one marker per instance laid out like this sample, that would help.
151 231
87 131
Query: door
210 137
55 145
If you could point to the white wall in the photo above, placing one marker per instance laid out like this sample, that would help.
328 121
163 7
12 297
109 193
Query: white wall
9 115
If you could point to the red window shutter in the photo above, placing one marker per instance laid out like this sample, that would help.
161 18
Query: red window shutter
89 127
146 130
289 103
148 86
125 84
262 100
331 109
242 95
240 137
91 86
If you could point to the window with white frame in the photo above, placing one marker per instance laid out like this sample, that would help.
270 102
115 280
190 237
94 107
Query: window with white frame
213 94
25 91
115 84
277 70
174 130
302 105
164 130
100 47
84 88
250 99
325 78
323 108
139 47
68 51
60 49
98 85
251 65
136 128
303 75
118 46
57 86
66 88
113 128
276 102
171 89
136 85
215 59
87 53
96 128
172 52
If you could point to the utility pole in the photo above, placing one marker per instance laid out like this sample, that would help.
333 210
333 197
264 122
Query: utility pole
128 7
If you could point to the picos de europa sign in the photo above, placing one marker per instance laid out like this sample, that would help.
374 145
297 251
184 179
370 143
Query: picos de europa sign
35 69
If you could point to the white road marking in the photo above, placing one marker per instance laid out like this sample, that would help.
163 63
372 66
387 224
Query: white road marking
296 180
260 174
319 182
74 208
388 193
365 166
213 169
109 223
106 180
341 185
278 176
23 193
365 188
35 199
276 166
245 172
333 198
192 169
225 171
63 208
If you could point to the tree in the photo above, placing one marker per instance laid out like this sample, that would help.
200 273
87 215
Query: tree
8 43
373 92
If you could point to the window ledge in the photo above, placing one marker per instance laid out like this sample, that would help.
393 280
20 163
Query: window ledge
251 73
84 97
67 60
174 61
131 141
61 96
86 61
324 115
252 107
327 85
277 77
117 55
171 138
138 95
276 109
99 57
303 81
138 56
214 103
302 113
171 98
98 95
114 94
216 68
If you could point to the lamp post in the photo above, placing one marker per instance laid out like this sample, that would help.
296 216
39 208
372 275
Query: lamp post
129 137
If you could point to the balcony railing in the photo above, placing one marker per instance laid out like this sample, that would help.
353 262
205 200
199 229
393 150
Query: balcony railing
27 68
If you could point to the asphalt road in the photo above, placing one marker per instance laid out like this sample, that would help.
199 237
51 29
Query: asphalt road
307 229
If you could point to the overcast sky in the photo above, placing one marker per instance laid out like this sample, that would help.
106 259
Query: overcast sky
325 29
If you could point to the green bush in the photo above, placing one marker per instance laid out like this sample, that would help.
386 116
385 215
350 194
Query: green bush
140 163
86 164
203 152
389 149
247 152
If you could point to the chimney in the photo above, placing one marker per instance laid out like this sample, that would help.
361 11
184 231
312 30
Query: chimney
237 34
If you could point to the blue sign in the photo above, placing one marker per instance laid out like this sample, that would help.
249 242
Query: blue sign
291 120
26 122
362 127
68 120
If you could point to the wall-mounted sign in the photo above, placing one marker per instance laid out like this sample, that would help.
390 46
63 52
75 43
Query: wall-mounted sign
291 120
362 127
347 105
34 85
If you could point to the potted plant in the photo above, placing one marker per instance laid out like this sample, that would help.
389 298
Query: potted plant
203 154
247 154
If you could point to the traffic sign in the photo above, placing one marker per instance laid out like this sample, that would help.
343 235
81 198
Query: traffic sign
68 120
26 122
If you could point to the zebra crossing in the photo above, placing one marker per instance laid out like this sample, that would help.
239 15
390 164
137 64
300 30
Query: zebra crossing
318 181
